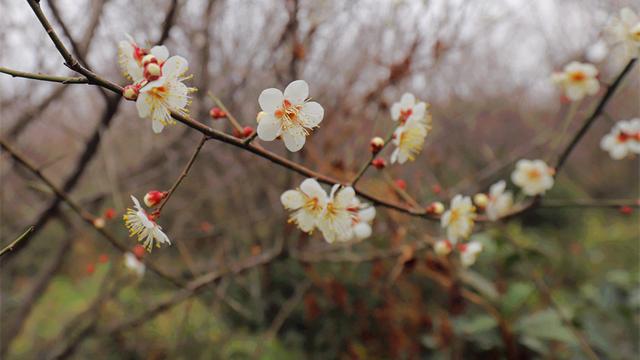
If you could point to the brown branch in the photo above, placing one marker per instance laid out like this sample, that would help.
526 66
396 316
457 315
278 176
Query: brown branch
44 77
184 174
13 244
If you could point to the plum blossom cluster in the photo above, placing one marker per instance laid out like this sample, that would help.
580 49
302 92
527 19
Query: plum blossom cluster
340 215
625 31
623 139
157 87
468 251
414 125
577 80
289 115
144 226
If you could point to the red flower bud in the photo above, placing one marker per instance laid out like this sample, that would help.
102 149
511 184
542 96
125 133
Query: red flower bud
247 131
376 144
110 213
152 71
217 113
626 210
435 208
103 258
138 251
379 163
153 197
91 268
436 189
401 184
130 92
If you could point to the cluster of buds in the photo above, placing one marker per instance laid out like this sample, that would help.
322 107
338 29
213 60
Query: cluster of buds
376 144
216 113
379 163
101 221
435 208
154 197
244 133
152 68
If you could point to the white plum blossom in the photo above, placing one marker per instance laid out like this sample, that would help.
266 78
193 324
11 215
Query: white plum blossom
130 58
143 226
168 93
469 252
500 201
625 30
577 80
534 177
336 219
134 265
623 139
290 115
409 140
362 217
442 247
459 219
306 203
408 107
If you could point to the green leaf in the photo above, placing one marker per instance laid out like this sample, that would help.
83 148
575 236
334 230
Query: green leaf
545 325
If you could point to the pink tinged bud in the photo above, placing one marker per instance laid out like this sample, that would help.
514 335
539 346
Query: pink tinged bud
435 208
247 131
376 145
401 184
153 198
99 223
149 59
152 71
138 251
442 248
379 163
130 92
481 200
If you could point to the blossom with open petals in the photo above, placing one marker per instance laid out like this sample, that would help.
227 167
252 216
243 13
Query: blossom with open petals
290 115
625 30
623 139
534 177
500 201
408 107
144 227
578 80
362 217
130 56
459 219
306 204
168 93
409 140
336 220
469 252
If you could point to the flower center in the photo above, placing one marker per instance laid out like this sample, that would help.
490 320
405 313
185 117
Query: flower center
404 115
577 76
158 92
289 115
312 204
635 33
534 174
455 216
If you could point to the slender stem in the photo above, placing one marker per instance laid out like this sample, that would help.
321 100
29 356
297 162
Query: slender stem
184 174
44 77
15 242
366 166
234 122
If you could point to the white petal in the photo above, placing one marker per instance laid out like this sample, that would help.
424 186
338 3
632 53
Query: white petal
157 126
394 155
306 221
143 104
362 230
270 100
407 101
297 92
575 93
292 199
294 138
367 214
395 111
312 114
345 197
312 189
175 66
160 52
268 127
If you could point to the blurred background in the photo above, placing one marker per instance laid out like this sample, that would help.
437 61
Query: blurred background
553 283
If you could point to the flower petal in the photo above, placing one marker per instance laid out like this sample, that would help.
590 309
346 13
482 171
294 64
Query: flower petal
297 92
292 199
160 52
407 101
157 126
294 138
270 100
268 127
144 105
312 189
175 66
395 111
312 114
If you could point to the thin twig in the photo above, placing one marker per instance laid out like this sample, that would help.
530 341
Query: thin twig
16 241
366 166
45 77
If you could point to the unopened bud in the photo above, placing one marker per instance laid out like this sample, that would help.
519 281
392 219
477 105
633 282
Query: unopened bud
435 208
130 92
401 184
153 197
260 115
626 210
442 247
138 251
378 163
217 113
247 131
152 71
376 144
109 214
99 223
148 59
481 200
